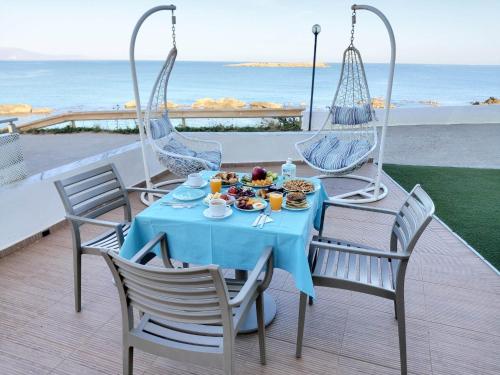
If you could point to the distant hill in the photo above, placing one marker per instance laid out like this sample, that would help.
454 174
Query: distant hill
278 65
13 54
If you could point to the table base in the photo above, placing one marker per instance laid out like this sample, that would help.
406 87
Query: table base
250 323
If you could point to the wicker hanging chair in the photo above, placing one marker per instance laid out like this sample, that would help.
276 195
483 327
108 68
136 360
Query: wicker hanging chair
348 135
178 153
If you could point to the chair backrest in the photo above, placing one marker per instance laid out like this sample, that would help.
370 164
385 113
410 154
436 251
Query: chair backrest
94 193
410 222
195 295
412 219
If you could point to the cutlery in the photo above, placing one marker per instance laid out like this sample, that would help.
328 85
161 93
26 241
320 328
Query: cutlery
267 213
257 221
178 204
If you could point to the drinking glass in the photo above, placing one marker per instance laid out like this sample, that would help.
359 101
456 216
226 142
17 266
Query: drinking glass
276 200
215 185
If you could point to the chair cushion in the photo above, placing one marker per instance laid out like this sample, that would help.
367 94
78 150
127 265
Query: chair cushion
161 127
360 114
176 147
213 159
330 153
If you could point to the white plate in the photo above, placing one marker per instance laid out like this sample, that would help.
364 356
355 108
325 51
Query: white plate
203 184
186 194
253 209
206 213
295 208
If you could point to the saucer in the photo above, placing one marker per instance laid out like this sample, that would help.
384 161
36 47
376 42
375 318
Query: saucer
203 184
228 213
188 194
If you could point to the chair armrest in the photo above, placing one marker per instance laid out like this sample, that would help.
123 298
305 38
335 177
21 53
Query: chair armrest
145 190
327 204
160 238
118 227
359 207
361 251
252 284
86 220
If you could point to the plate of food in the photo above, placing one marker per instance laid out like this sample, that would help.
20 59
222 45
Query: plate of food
296 201
264 193
228 198
237 191
259 178
250 204
301 185
227 178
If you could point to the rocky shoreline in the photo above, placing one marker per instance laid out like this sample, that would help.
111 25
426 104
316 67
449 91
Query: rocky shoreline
20 109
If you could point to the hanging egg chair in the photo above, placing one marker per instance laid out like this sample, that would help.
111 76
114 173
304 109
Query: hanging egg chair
348 135
178 153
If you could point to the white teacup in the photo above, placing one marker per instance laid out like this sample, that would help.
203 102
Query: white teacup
194 179
217 207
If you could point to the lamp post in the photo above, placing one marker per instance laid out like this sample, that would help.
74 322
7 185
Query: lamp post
316 29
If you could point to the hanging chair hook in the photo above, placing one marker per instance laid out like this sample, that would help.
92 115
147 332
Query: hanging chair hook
173 29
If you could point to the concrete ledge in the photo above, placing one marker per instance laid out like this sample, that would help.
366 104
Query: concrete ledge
472 114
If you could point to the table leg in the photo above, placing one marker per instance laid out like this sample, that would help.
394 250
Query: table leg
250 323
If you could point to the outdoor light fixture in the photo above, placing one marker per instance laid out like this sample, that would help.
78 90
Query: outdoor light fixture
316 29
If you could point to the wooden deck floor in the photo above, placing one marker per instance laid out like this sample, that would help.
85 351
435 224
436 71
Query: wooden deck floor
453 311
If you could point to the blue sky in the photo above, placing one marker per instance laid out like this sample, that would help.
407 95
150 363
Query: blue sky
439 32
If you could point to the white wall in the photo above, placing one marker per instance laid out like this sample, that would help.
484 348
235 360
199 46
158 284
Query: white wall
472 114
33 205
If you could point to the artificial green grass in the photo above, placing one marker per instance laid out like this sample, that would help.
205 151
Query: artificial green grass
466 199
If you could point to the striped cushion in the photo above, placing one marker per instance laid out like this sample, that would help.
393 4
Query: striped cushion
331 154
352 115
213 159
160 127
175 147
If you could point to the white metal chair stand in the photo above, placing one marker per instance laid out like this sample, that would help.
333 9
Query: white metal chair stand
337 152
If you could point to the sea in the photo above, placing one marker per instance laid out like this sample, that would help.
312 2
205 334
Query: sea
96 85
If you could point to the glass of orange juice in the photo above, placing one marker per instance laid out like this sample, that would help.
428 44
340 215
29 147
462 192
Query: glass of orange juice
275 200
215 185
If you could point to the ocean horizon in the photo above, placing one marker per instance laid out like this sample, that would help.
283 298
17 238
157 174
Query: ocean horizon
69 85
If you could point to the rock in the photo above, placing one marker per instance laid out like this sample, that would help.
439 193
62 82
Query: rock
492 100
170 105
379 103
222 103
41 110
12 109
130 104
265 105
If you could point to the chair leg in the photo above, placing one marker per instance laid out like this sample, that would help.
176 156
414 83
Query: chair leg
395 310
77 279
400 312
300 328
261 327
128 360
311 301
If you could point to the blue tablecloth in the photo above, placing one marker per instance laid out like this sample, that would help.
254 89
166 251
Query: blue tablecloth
231 242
